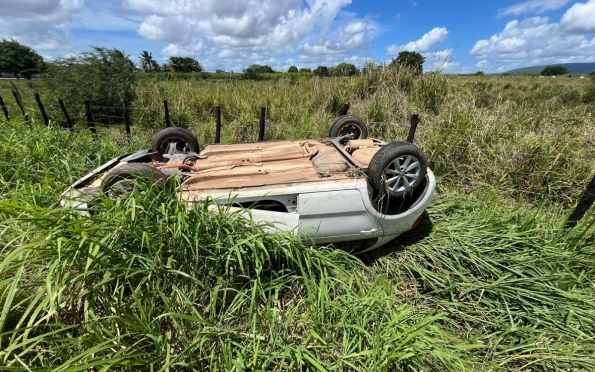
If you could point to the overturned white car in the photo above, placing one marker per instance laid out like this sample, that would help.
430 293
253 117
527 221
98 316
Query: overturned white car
354 192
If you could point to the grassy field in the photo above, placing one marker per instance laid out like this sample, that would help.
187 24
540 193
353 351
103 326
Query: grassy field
489 281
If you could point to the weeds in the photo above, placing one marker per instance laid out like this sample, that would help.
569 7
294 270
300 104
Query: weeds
488 281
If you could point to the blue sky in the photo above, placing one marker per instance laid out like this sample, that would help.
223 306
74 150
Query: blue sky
458 36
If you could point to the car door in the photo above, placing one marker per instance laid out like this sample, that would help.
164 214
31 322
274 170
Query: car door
334 216
271 221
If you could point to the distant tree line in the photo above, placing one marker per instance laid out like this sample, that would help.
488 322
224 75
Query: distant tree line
106 76
23 61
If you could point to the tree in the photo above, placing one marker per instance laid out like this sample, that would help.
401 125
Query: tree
292 69
321 71
19 60
260 69
345 69
554 70
183 64
105 77
147 62
305 69
254 71
479 73
411 60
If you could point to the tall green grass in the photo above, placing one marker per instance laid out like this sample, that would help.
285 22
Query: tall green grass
146 283
489 281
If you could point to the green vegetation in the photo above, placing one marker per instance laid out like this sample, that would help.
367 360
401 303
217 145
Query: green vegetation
589 95
554 70
321 71
345 69
105 77
182 64
410 60
19 60
489 281
147 63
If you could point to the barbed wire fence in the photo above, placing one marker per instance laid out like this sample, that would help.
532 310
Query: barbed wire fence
93 117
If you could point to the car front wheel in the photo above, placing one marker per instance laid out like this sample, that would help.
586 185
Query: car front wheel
122 180
350 125
397 169
174 140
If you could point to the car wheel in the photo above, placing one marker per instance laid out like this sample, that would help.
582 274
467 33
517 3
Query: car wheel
174 140
397 169
349 125
121 180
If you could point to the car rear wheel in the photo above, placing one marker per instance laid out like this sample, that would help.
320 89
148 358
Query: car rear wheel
123 179
350 125
174 140
397 169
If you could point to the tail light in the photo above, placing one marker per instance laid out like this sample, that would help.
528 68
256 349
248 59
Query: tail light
417 222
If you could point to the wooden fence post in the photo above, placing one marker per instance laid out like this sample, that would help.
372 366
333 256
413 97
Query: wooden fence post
17 97
166 109
65 112
127 121
413 122
583 205
20 104
344 109
263 112
4 109
218 124
89 117
44 115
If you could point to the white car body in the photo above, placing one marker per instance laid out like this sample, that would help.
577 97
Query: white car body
335 208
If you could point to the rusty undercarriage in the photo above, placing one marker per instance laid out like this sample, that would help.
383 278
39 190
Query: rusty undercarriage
269 163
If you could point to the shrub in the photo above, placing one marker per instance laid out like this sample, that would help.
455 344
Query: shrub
344 69
183 64
411 60
19 60
321 71
554 70
105 77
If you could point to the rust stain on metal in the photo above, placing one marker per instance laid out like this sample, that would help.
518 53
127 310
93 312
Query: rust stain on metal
264 163
364 154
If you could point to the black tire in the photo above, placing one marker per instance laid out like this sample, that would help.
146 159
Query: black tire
407 165
349 124
122 180
183 140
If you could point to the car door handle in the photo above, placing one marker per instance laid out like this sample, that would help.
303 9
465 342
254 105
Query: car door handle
368 232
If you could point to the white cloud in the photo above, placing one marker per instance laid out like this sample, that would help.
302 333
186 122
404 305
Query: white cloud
173 29
231 32
533 6
483 63
532 41
269 24
57 11
189 50
40 24
580 18
440 60
423 45
103 16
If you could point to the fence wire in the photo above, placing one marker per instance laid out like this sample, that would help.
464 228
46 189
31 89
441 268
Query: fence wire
157 118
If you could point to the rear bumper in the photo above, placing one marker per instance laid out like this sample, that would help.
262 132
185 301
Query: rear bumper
395 225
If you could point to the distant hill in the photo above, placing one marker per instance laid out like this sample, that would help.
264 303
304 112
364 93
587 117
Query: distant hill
575 68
